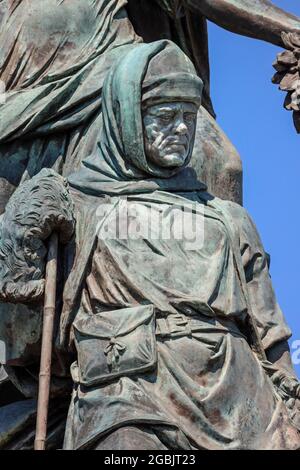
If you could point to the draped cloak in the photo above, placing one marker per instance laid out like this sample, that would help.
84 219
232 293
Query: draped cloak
207 383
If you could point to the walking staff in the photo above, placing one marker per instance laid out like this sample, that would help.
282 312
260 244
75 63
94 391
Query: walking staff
47 340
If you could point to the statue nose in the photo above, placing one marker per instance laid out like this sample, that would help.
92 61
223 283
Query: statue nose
181 128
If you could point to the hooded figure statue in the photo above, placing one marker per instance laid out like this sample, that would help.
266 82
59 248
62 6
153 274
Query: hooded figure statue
120 166
168 317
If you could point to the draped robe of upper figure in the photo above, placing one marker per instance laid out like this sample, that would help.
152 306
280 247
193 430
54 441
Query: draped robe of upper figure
53 58
159 326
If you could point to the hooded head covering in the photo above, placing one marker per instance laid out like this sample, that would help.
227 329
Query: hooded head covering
120 165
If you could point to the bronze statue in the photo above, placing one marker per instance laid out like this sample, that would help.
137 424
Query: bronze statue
172 342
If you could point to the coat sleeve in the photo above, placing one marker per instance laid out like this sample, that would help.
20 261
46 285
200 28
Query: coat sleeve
269 317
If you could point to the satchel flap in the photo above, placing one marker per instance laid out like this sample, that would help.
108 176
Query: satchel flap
114 323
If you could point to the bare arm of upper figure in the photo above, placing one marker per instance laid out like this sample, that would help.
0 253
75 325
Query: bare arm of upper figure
259 19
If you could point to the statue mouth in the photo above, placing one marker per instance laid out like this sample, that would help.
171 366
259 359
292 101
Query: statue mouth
177 145
177 148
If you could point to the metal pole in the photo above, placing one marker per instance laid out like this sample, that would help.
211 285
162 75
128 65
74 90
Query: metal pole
47 344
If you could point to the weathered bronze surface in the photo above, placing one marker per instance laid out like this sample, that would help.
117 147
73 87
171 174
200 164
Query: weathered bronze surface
151 334
287 75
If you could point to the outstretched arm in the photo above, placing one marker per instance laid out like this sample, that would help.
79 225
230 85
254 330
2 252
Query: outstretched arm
259 19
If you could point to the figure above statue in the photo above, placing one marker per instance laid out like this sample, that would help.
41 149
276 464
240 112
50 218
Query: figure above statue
53 62
170 339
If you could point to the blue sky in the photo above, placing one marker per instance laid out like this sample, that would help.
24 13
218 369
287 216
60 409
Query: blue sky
250 110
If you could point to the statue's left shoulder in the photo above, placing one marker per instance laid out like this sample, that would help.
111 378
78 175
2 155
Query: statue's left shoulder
231 210
240 221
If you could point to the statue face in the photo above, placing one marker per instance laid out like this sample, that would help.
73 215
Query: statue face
169 130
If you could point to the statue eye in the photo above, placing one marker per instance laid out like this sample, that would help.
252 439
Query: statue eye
189 118
166 118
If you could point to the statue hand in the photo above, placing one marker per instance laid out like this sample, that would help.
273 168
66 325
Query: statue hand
294 409
287 76
36 209
287 386
289 390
